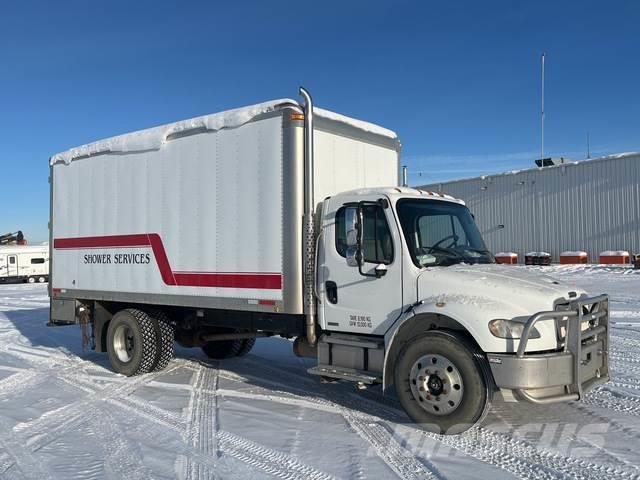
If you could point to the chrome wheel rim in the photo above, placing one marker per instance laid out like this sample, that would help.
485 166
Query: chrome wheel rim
123 343
436 384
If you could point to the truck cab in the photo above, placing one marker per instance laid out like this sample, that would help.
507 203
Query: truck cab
405 276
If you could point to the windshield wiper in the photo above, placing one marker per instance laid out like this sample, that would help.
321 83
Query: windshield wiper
453 255
445 250
478 250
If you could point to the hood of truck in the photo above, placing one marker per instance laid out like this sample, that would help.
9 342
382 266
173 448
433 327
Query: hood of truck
476 294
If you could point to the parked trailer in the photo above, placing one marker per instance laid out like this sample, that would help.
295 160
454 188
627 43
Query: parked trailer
277 219
24 263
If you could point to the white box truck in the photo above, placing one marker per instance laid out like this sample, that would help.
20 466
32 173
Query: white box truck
285 219
24 263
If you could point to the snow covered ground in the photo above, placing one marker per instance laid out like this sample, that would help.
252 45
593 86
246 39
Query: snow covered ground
65 415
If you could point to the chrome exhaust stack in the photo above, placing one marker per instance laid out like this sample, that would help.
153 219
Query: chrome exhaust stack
309 222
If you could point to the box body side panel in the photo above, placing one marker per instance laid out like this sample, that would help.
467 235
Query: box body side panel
345 163
202 216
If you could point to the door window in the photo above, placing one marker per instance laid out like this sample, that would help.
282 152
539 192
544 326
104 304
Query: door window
377 244
12 260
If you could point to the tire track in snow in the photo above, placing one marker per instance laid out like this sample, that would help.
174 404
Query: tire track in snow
18 454
60 421
525 460
605 397
202 431
268 460
380 439
19 381
204 438
121 458
366 426
150 412
6 462
622 381
359 423
20 461
518 456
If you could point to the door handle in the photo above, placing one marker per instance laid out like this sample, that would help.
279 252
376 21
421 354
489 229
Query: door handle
332 292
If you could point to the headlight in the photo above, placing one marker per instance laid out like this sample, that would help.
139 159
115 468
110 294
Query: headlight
510 329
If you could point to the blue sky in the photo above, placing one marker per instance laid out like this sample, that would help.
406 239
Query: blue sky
459 81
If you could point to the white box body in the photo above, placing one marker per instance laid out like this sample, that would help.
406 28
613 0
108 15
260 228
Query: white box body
208 217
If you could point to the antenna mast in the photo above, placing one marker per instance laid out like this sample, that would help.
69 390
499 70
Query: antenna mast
542 113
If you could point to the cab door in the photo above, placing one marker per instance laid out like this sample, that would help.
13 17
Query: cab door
359 299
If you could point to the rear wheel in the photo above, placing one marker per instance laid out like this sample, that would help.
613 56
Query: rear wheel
31 280
164 338
132 342
222 349
441 384
247 345
41 279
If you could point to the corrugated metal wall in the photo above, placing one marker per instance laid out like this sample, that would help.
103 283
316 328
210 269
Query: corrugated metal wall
592 205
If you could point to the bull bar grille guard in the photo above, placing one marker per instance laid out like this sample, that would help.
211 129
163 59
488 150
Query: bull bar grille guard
592 311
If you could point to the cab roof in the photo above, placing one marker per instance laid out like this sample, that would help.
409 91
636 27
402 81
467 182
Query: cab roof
395 193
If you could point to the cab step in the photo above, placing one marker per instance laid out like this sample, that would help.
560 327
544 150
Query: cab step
343 373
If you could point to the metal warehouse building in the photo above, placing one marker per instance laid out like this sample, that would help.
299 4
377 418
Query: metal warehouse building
591 205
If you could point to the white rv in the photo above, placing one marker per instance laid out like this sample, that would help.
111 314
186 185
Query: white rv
29 263
284 219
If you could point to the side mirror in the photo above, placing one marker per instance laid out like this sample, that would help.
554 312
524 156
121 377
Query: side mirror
352 256
352 238
354 222
381 270
351 225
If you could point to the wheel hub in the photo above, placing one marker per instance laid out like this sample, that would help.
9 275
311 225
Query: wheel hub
436 384
123 343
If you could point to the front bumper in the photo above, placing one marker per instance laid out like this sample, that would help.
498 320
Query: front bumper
564 375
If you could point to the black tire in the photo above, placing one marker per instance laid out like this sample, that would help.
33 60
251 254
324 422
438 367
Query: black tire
475 399
222 349
165 337
246 347
132 343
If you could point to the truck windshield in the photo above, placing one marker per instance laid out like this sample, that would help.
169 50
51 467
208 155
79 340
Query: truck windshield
441 233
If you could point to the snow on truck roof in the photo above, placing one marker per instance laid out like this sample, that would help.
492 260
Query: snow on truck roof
404 192
154 138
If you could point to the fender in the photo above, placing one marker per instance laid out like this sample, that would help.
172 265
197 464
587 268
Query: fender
415 322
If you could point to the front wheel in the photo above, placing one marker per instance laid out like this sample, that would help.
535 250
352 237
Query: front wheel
441 383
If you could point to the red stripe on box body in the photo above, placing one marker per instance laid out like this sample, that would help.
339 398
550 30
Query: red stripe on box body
260 281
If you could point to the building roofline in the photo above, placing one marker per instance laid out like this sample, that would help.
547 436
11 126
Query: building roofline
617 156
